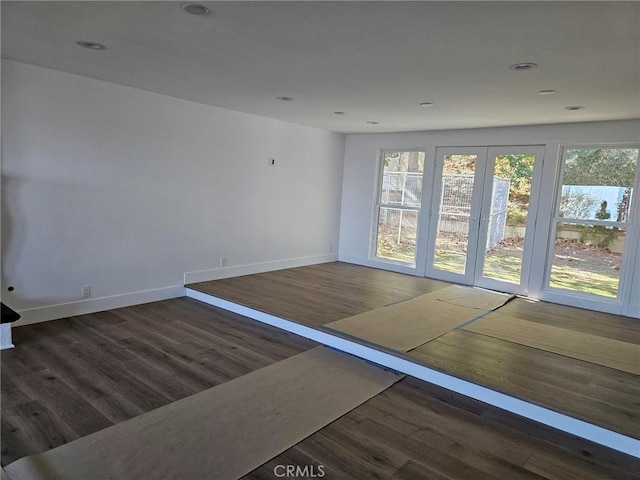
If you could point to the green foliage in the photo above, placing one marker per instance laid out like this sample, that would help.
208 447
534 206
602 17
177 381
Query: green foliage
516 214
598 235
518 169
606 166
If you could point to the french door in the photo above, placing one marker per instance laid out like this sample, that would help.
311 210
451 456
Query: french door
483 212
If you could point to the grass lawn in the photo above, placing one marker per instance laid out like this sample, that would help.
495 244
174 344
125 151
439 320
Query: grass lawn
577 279
584 273
576 267
400 253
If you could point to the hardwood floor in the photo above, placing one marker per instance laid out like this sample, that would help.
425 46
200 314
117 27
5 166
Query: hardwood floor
319 294
596 394
69 378
415 430
322 293
615 327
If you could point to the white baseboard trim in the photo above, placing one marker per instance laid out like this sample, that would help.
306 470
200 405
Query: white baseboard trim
252 268
632 311
380 265
562 422
93 305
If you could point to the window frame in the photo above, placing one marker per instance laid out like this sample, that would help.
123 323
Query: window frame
377 205
616 304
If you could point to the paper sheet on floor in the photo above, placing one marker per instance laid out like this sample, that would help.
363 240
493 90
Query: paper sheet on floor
224 432
407 325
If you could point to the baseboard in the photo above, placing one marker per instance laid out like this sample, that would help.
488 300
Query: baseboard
574 426
380 265
632 311
252 268
83 307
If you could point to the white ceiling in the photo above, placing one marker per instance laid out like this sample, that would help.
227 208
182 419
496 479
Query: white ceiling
375 61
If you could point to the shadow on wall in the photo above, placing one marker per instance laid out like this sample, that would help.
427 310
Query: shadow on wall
41 230
15 231
13 234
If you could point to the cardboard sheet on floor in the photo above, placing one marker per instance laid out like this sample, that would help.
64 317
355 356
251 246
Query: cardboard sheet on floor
224 432
570 343
407 325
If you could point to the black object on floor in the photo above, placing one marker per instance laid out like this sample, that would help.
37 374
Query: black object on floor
8 315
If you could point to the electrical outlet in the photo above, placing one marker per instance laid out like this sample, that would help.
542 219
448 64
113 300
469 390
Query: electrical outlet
330 248
86 291
223 261
272 161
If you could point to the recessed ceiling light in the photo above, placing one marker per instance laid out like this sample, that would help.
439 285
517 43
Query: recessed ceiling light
338 113
285 99
427 104
523 67
373 123
547 92
575 107
195 9
91 45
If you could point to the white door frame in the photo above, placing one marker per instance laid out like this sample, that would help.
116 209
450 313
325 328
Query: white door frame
474 221
520 288
480 212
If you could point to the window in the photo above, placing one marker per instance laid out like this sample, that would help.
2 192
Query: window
399 200
592 217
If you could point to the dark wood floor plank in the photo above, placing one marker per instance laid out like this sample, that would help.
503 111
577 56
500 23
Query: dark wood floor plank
564 384
89 381
543 440
32 427
20 360
448 436
73 409
451 427
415 471
292 458
340 462
74 376
555 466
11 393
616 327
443 435
319 294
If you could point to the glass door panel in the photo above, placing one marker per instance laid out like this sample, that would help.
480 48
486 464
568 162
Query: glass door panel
456 201
454 214
508 189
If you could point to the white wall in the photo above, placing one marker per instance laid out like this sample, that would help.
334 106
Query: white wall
126 190
361 164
